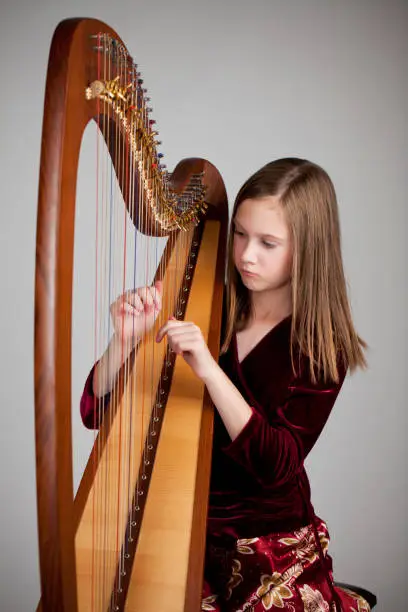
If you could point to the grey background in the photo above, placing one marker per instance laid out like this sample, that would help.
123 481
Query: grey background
239 83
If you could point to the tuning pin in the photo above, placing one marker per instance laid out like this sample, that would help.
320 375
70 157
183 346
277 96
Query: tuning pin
160 155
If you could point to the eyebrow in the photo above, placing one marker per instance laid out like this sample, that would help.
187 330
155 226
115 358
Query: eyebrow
236 223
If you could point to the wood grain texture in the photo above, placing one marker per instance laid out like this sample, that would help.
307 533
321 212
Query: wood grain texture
122 438
159 577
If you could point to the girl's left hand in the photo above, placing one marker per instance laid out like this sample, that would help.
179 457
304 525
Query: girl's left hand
186 339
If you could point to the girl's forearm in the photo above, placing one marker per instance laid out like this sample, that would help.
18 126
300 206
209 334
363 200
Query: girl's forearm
107 368
232 407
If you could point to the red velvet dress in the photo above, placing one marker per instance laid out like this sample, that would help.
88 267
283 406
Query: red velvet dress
266 549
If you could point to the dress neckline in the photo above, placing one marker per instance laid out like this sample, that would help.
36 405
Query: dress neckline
268 334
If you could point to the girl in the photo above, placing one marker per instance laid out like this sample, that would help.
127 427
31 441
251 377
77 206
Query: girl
288 342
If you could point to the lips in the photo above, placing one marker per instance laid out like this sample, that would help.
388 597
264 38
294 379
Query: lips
248 273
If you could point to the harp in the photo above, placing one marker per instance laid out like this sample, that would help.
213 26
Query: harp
144 549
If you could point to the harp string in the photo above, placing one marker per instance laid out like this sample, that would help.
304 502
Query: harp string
96 348
122 421
106 283
132 385
122 509
118 286
113 254
98 323
130 398
107 558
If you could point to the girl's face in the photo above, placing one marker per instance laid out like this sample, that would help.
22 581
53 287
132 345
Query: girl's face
262 248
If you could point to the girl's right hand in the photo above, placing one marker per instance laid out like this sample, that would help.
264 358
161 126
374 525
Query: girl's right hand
134 313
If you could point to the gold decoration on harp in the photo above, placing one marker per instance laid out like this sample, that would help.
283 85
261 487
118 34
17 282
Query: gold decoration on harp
172 211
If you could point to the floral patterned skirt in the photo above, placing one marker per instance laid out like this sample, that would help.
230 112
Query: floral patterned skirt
280 571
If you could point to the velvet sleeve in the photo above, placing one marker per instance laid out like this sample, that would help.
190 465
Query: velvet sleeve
92 407
273 448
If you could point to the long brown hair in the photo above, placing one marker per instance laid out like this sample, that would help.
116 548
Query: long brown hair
322 327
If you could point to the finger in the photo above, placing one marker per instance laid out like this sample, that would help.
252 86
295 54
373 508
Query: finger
156 296
146 298
134 300
170 324
162 332
184 344
179 328
159 286
177 337
127 309
144 294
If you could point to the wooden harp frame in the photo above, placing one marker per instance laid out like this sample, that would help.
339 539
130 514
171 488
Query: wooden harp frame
72 67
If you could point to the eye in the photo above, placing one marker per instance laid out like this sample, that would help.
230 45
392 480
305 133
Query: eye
269 245
237 232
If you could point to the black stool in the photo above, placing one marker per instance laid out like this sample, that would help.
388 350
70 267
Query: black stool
370 598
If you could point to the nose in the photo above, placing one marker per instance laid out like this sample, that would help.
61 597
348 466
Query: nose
248 255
